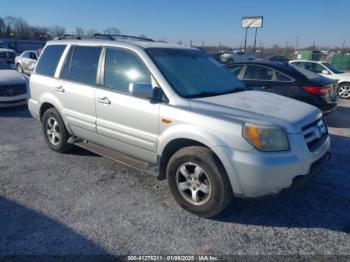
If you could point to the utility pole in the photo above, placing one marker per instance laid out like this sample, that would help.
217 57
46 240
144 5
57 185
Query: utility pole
297 45
344 45
256 32
245 39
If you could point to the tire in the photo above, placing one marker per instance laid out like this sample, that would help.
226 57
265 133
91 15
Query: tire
212 190
344 90
19 68
55 132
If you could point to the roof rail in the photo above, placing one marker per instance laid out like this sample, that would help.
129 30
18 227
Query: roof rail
68 36
114 37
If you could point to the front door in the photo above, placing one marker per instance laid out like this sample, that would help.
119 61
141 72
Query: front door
125 123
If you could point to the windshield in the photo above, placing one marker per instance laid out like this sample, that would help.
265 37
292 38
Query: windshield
334 69
193 73
4 66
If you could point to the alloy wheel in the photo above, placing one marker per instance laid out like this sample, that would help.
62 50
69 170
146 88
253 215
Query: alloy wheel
193 183
53 131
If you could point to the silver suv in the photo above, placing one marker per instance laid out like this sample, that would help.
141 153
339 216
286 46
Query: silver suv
173 111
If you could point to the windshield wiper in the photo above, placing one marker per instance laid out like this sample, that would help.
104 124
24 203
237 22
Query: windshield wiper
208 93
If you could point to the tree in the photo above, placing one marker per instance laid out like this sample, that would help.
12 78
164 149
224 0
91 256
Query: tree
79 31
57 31
91 32
112 31
2 27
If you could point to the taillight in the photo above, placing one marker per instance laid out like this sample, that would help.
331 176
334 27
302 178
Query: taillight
318 90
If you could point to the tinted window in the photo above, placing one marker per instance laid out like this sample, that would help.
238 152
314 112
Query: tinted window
258 73
235 69
25 55
123 68
192 73
282 77
83 64
49 60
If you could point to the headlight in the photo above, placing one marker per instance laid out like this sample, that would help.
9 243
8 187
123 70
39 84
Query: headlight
266 138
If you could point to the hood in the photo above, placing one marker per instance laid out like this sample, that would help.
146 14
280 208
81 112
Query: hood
260 107
9 77
345 74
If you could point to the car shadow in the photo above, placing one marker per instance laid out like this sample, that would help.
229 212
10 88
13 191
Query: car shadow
20 111
78 151
25 231
339 118
323 203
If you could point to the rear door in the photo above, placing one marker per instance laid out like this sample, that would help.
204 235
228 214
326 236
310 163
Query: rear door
76 90
126 123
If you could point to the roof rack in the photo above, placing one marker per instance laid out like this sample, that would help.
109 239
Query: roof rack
130 37
103 36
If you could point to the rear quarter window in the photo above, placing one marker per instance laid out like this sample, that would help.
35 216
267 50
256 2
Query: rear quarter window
49 60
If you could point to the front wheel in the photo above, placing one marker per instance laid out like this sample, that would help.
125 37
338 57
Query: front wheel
198 182
344 90
55 132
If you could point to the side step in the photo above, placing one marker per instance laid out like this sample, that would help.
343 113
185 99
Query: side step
119 157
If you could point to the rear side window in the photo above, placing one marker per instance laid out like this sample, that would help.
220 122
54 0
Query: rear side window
258 73
49 60
235 69
81 64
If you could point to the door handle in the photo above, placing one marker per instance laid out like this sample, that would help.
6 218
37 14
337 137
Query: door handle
104 100
60 89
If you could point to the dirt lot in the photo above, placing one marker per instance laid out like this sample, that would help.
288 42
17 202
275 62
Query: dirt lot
81 203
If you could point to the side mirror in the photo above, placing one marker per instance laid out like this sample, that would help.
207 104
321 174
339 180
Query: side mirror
325 72
141 90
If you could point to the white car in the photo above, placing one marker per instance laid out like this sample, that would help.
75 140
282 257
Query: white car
26 62
236 56
13 87
326 69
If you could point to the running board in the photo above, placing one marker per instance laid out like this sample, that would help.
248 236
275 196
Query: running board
119 157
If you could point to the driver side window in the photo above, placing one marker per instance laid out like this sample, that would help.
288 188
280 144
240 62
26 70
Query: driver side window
122 68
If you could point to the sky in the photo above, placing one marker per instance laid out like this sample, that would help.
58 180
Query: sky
325 22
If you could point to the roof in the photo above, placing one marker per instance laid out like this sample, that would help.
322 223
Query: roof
266 63
130 43
304 60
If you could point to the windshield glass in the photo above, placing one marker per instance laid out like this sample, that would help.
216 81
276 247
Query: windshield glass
4 66
334 69
193 73
307 73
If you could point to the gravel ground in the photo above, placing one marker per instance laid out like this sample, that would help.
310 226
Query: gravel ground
84 204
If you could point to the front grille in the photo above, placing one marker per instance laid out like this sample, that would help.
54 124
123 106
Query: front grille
315 134
13 90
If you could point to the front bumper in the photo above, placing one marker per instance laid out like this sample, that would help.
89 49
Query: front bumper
256 174
13 101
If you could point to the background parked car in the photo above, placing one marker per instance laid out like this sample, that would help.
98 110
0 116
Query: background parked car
26 62
236 56
279 58
290 81
328 70
8 56
13 87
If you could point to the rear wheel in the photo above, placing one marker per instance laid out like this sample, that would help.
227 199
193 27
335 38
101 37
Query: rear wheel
55 132
344 90
197 181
